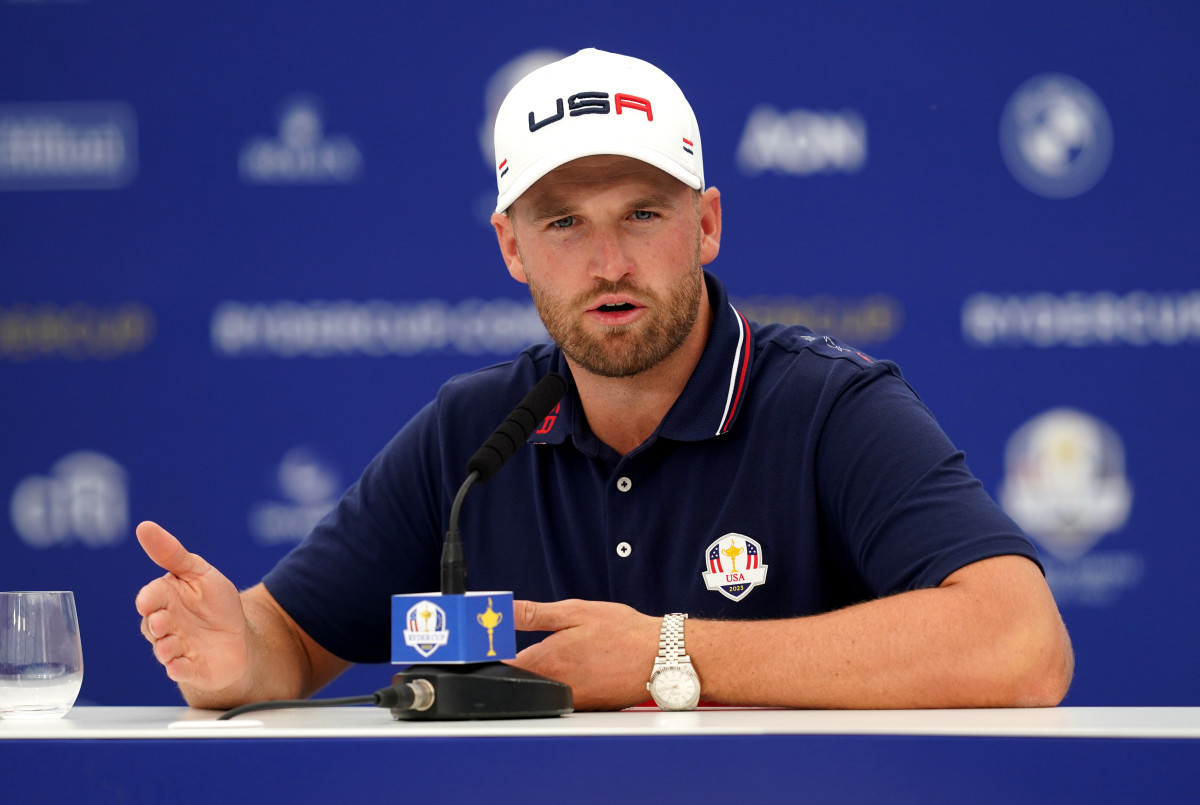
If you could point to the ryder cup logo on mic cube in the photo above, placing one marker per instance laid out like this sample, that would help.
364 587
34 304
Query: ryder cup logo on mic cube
436 628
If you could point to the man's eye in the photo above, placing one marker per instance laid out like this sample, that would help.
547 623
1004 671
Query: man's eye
643 215
564 223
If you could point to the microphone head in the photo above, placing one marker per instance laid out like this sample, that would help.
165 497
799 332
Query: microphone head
515 430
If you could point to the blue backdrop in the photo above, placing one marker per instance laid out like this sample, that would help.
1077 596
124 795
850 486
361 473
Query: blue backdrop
240 244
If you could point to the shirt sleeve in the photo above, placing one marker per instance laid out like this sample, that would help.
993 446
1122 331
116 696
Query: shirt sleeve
904 504
382 538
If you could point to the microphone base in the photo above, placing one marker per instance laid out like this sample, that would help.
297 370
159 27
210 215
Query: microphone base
490 690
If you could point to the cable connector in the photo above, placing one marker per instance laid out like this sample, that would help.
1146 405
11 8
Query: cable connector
417 695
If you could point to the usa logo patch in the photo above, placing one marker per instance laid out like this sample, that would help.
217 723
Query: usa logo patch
735 566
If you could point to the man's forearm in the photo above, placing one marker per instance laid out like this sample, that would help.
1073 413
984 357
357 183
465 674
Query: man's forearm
989 637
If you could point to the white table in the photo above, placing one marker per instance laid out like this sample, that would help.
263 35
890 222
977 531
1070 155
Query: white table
723 754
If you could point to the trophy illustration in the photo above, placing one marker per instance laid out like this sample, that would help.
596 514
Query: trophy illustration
733 552
489 620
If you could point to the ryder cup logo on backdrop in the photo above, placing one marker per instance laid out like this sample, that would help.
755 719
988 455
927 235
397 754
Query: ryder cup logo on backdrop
1055 136
735 566
302 153
426 631
1065 485
84 499
67 146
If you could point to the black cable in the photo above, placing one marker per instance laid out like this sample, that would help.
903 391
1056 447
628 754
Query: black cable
283 704
417 695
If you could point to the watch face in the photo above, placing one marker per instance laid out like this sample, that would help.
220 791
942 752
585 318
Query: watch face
675 688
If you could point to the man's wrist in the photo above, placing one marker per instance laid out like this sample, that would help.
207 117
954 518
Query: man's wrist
674 683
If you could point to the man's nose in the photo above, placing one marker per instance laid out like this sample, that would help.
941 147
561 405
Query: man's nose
612 259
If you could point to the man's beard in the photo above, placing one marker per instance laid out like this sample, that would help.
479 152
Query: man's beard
629 349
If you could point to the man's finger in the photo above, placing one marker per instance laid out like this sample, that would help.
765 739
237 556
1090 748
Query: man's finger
168 552
180 670
531 616
168 649
151 598
160 624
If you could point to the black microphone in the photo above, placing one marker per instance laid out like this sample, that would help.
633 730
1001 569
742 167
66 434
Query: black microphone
487 461
516 429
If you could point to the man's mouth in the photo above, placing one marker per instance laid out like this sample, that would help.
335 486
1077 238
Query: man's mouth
617 308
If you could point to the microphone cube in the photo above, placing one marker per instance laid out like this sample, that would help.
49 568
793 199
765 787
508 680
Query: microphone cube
442 629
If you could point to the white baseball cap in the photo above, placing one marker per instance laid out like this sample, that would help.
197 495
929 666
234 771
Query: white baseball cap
592 103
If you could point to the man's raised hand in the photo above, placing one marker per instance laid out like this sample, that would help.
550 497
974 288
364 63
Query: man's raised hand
192 615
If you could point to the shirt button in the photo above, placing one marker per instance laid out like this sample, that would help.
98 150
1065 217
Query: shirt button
624 549
624 484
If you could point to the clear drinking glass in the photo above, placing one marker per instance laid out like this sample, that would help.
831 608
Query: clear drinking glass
41 658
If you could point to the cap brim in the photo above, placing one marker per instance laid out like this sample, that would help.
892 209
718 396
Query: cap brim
550 162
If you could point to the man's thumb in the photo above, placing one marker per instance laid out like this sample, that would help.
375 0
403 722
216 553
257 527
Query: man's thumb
168 552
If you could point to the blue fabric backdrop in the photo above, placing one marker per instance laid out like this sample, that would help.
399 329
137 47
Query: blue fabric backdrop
241 243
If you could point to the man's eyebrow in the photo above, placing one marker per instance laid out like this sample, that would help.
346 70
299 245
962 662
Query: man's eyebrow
551 213
652 202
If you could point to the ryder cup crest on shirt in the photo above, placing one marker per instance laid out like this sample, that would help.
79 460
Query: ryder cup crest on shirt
593 103
735 566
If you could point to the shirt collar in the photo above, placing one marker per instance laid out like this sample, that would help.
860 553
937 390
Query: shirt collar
716 392
710 403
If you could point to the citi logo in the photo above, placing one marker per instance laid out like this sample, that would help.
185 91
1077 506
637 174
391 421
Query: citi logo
592 103
83 499
801 142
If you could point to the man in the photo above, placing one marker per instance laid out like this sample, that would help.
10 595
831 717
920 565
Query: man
791 495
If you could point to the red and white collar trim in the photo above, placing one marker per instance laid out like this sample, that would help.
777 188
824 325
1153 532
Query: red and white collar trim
737 373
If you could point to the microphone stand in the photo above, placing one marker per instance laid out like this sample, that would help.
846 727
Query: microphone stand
487 690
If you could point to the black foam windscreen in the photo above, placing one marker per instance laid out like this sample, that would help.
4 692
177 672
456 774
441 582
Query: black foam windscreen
516 429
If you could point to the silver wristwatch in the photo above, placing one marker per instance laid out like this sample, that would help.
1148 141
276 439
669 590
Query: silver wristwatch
673 682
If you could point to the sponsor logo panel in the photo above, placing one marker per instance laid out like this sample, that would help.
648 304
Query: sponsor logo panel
1094 319
1065 485
68 146
301 153
374 328
83 499
75 332
802 142
859 321
310 486
1056 136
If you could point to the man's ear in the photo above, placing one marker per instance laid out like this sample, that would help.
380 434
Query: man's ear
506 236
710 225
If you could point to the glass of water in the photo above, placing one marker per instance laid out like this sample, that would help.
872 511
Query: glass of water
41 658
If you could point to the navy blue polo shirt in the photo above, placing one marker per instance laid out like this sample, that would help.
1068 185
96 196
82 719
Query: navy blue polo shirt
793 476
